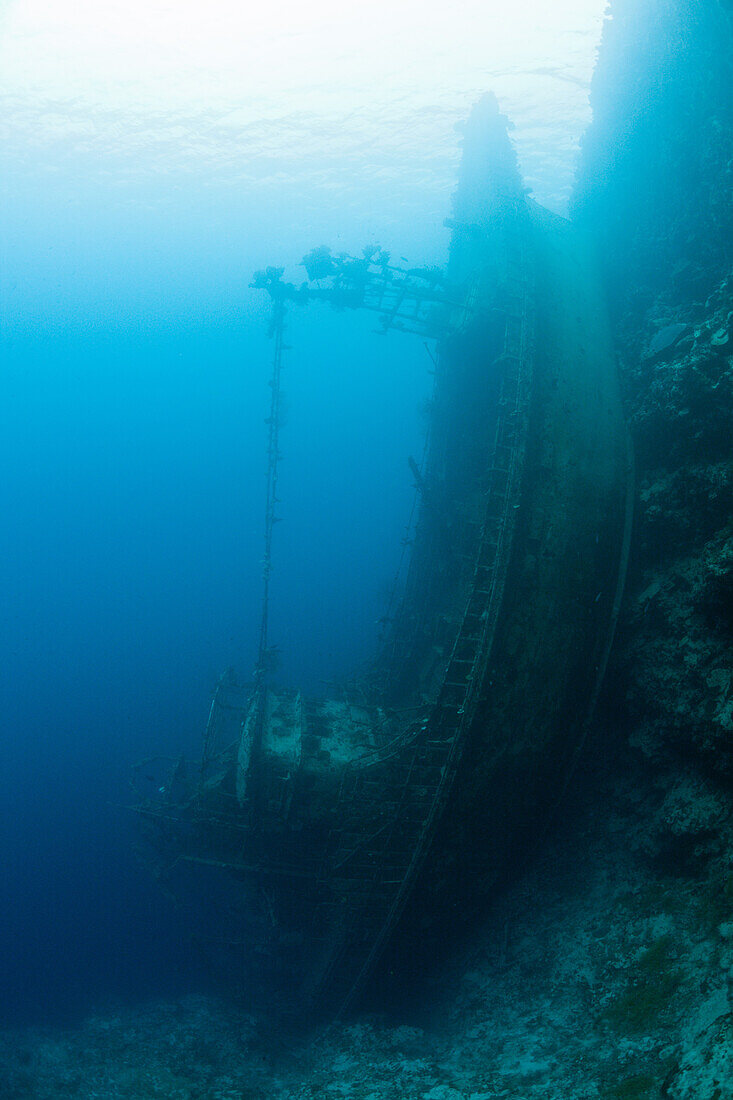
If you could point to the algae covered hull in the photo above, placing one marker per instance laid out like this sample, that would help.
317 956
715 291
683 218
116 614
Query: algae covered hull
310 823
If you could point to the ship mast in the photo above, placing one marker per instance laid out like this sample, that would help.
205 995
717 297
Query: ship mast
415 300
277 330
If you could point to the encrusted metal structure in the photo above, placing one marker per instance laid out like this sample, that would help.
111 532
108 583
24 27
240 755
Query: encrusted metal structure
310 823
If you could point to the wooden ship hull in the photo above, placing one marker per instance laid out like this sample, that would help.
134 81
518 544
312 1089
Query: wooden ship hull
310 823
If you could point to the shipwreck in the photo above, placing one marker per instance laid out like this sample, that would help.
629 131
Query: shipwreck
309 824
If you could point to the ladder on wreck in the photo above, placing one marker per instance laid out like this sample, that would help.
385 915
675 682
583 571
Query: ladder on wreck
376 877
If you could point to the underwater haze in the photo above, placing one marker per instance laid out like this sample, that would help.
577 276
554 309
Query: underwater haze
154 156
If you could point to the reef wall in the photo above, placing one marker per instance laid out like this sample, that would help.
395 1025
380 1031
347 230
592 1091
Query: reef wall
654 188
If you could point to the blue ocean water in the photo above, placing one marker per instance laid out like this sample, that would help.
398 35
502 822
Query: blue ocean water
141 190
